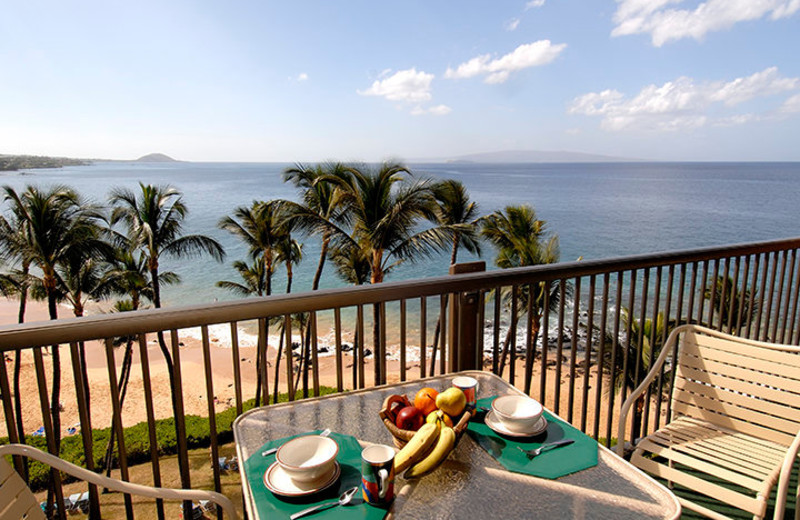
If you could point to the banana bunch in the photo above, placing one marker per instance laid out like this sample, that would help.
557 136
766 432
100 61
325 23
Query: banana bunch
445 443
416 449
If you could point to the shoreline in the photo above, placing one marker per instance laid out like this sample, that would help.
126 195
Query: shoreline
193 375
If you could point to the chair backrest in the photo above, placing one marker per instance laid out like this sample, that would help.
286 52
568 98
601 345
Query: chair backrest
743 385
16 499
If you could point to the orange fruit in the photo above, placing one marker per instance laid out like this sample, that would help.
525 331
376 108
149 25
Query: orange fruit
425 400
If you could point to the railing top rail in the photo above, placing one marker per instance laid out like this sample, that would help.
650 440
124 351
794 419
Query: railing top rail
152 320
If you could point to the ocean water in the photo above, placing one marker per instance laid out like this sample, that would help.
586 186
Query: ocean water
597 210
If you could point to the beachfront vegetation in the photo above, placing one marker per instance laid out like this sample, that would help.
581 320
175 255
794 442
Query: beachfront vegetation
30 162
137 440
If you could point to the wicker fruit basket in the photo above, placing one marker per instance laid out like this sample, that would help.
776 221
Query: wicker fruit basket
399 436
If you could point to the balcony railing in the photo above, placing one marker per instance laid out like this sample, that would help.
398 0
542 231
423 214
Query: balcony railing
576 336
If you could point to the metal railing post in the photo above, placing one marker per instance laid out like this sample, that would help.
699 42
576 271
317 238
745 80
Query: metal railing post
464 323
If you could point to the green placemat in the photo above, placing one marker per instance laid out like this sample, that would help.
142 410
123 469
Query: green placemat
554 463
270 505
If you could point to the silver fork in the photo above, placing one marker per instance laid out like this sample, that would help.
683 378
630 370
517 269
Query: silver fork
545 447
323 433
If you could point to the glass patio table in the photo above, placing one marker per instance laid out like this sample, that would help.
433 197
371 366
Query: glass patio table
470 483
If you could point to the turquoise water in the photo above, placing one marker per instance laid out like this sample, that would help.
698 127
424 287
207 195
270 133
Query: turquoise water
598 210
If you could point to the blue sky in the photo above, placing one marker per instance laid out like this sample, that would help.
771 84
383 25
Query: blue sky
244 80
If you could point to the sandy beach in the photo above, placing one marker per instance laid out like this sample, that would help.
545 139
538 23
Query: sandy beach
196 399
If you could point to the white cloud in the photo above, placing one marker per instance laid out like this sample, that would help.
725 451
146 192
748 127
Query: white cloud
437 110
405 85
498 70
534 3
512 25
665 23
791 105
682 103
302 77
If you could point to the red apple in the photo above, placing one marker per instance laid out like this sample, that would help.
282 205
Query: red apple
410 418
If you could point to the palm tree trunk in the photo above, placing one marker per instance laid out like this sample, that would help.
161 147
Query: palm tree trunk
326 239
376 277
268 267
78 311
55 395
436 334
278 367
23 297
18 405
122 387
454 252
161 341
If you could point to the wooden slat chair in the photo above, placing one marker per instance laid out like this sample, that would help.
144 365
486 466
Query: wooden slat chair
735 409
17 501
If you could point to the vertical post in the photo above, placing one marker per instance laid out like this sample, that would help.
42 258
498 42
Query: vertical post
464 324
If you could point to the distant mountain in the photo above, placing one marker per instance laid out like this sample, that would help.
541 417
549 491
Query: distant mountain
525 156
156 157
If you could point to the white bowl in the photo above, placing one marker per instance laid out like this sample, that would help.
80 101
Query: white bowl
308 458
517 413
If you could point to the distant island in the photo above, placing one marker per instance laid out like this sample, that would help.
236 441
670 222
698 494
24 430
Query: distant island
156 157
535 156
10 163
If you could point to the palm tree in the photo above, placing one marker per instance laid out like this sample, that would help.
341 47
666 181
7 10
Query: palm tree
385 209
153 219
650 335
153 222
521 239
259 228
289 252
352 263
254 279
15 283
455 212
128 275
53 225
729 302
320 205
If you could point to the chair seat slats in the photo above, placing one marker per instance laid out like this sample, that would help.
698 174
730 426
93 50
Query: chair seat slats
704 465
712 413
709 450
751 449
750 505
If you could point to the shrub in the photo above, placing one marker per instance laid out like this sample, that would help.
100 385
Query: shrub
137 440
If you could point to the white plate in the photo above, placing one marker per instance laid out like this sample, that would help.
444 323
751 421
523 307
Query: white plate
493 423
279 482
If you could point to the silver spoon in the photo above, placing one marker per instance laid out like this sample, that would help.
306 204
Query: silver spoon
545 447
345 499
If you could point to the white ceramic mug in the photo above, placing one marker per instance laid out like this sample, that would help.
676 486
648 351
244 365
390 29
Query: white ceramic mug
468 385
377 474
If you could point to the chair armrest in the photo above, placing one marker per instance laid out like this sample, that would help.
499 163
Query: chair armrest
119 485
783 481
669 346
